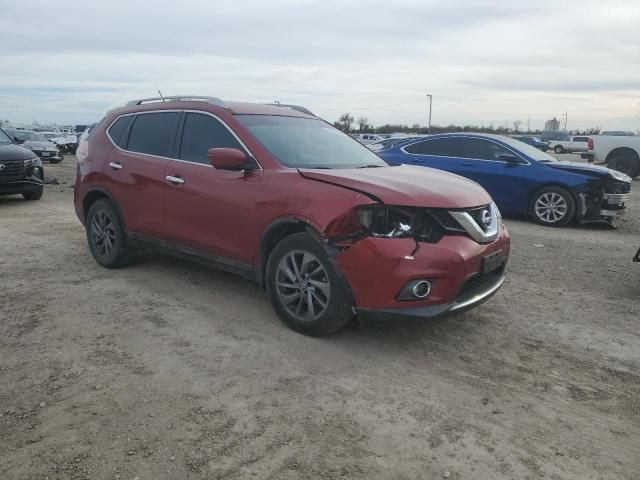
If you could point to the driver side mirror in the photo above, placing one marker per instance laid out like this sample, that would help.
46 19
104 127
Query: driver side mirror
18 140
228 159
509 158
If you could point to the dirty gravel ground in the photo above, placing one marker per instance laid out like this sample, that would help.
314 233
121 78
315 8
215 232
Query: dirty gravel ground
170 370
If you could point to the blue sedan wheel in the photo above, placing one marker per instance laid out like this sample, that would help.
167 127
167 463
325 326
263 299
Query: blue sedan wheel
553 206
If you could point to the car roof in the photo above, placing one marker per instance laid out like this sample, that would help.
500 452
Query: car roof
235 108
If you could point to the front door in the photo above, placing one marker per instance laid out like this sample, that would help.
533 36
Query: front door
208 209
486 162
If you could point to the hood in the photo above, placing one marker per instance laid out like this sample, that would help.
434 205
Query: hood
40 145
14 152
588 169
406 185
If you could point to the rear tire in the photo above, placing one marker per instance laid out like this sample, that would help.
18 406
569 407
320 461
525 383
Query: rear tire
558 149
33 195
625 163
552 207
304 288
106 236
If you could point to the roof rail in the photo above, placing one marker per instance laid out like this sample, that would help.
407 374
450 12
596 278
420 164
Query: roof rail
293 107
179 98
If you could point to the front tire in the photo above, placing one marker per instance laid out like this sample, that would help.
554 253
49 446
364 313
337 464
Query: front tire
56 160
304 288
37 195
553 207
558 149
106 236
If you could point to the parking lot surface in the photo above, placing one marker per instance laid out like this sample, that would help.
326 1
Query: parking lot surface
166 369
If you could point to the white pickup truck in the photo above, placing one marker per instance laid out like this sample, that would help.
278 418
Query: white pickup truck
621 153
562 142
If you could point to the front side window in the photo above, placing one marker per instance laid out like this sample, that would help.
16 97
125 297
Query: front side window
153 133
439 147
308 143
482 149
202 132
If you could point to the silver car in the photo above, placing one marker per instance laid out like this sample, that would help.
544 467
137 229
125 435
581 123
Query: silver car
38 143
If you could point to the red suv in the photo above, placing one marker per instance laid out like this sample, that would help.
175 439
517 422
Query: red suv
275 194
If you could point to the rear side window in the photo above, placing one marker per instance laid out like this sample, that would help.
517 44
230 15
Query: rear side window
202 132
118 129
579 139
153 133
441 147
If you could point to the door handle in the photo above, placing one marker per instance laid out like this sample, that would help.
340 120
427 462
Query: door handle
466 164
174 180
115 165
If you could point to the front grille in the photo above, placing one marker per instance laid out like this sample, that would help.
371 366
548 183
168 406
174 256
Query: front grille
479 283
444 218
476 214
11 169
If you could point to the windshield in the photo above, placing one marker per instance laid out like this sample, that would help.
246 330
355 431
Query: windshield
4 138
308 143
528 150
30 136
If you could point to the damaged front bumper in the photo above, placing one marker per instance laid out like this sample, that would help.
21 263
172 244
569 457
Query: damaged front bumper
461 273
605 206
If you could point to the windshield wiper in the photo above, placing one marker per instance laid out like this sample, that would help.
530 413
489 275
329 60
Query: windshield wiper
318 167
371 166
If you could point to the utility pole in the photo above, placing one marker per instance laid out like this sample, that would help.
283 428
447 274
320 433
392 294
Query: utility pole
430 102
529 124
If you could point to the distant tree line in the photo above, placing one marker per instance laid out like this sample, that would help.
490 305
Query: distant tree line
348 124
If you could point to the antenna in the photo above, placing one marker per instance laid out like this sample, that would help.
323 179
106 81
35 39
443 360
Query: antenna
161 95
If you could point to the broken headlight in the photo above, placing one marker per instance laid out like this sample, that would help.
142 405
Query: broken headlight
399 222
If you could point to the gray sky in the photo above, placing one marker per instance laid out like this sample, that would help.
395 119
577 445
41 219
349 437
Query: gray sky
484 61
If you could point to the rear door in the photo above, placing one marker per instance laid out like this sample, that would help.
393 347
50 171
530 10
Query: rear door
505 181
208 209
442 153
136 168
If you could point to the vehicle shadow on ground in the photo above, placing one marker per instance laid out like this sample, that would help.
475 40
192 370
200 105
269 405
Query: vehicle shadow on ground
245 292
11 201
597 225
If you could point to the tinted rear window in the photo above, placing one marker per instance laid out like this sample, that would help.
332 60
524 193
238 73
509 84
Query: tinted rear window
117 130
153 133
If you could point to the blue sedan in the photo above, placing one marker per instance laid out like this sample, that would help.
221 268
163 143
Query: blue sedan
521 179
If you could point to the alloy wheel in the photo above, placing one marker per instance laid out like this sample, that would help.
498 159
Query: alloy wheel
103 235
551 207
303 285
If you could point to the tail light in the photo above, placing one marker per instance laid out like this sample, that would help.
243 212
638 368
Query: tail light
589 144
82 152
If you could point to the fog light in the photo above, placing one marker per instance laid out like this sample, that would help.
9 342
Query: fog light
415 290
421 289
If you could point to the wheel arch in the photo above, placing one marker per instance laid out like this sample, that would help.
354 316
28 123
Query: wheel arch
276 231
621 151
97 193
